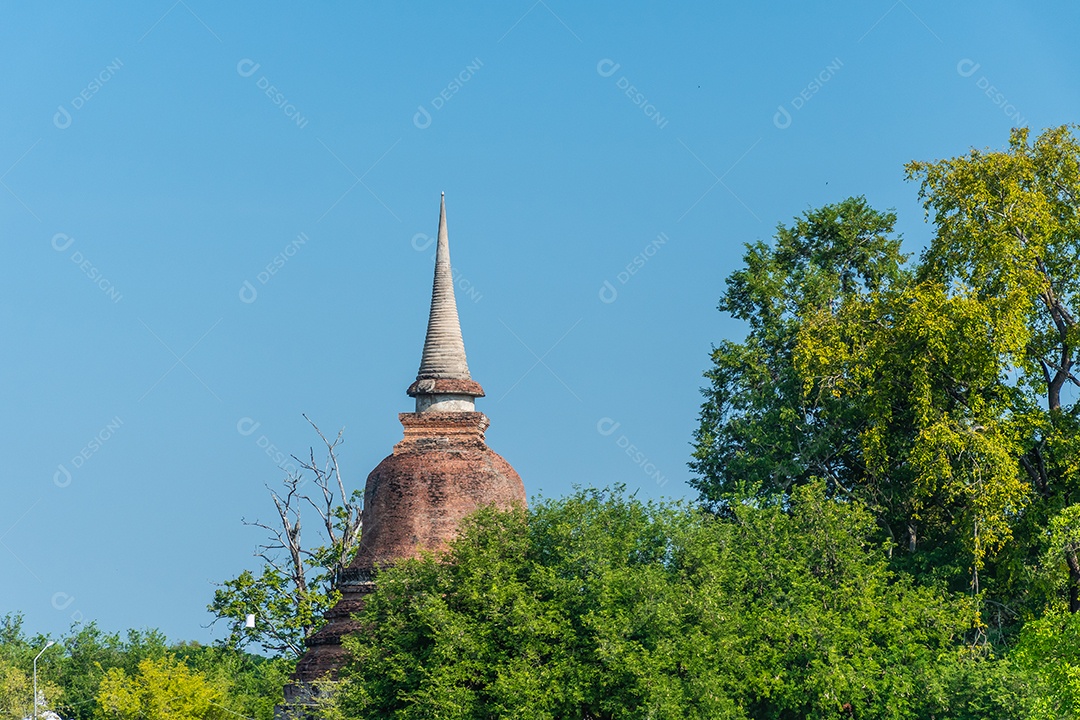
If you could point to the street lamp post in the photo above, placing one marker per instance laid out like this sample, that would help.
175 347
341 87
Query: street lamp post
47 646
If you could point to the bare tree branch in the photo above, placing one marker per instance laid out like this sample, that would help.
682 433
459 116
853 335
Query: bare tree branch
310 572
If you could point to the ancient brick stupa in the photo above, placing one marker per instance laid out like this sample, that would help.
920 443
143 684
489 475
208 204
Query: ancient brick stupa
438 474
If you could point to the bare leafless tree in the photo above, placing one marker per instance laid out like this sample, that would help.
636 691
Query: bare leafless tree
339 514
298 580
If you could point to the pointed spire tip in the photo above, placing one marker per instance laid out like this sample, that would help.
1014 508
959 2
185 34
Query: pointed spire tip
444 371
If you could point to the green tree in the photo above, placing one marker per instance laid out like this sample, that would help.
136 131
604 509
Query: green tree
17 693
764 427
254 682
17 652
599 606
88 654
935 434
1008 236
160 689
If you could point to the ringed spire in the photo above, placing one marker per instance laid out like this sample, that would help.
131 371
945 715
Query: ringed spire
443 383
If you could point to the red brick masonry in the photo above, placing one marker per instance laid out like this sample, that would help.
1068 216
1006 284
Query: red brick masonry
414 500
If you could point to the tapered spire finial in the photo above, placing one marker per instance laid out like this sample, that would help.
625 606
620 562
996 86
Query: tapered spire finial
443 383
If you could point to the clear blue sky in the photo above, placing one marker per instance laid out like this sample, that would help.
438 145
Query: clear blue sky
602 164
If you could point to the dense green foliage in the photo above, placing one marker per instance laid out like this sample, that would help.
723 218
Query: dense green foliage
600 606
93 675
162 689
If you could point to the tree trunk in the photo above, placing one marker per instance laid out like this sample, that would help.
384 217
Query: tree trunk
1074 581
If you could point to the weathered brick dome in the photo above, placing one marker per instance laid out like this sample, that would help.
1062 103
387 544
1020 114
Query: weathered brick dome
440 473
414 500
